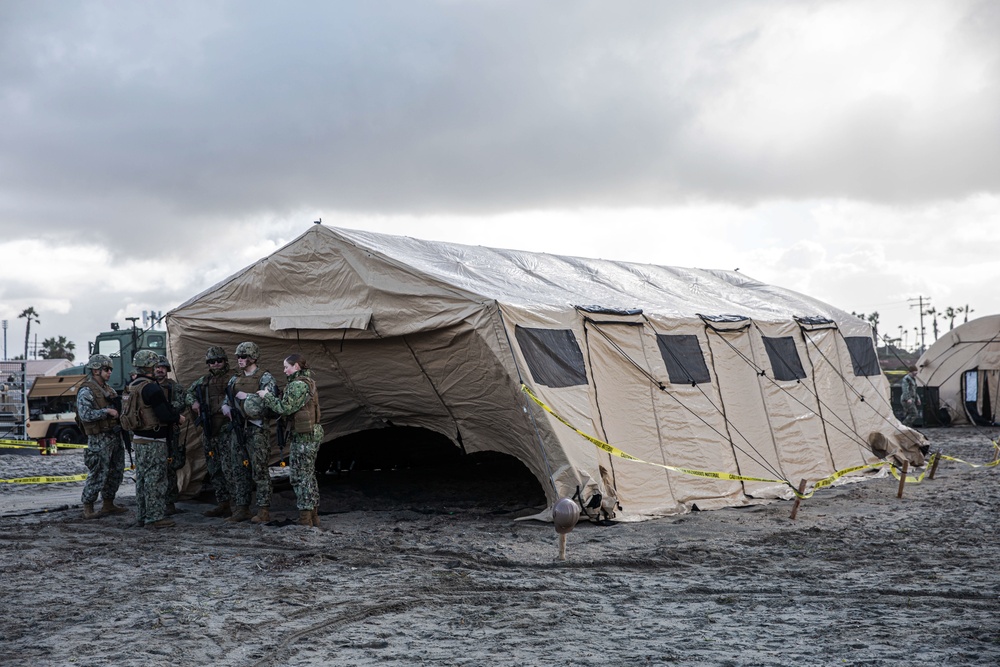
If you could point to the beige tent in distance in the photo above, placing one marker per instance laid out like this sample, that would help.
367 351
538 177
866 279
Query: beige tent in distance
727 391
964 365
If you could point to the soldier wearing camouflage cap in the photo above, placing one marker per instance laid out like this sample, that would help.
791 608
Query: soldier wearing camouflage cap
154 417
177 456
205 397
105 453
251 434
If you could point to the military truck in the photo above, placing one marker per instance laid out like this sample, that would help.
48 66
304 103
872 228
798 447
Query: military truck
52 409
121 345
47 411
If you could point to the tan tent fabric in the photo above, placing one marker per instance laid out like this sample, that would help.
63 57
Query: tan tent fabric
442 336
966 360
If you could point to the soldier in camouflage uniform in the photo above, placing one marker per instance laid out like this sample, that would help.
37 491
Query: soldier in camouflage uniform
301 400
251 435
910 398
105 454
150 442
175 448
205 398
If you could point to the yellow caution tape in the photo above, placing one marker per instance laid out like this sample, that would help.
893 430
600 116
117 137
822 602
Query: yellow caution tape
45 480
611 449
17 443
974 465
614 451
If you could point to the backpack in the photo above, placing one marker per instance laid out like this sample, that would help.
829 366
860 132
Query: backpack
131 416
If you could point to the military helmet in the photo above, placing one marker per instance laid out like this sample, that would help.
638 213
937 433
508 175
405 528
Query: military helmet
216 352
248 349
98 361
253 406
162 361
145 359
565 514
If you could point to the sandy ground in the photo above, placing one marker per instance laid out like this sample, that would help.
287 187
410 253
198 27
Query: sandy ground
407 572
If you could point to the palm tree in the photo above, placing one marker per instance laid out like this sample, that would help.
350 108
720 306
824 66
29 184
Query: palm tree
873 320
934 324
950 314
60 348
29 314
966 310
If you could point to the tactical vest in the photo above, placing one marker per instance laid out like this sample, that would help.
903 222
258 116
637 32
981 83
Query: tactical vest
215 388
103 397
149 419
249 384
308 415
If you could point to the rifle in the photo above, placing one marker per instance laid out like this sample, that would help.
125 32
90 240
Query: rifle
238 418
282 435
204 411
124 435
175 452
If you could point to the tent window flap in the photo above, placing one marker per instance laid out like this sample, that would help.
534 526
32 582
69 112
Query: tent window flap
683 358
553 356
339 320
863 357
785 362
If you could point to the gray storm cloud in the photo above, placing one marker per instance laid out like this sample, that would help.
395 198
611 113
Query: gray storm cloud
124 114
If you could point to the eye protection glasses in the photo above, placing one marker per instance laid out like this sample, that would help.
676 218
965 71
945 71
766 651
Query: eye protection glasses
215 361
242 356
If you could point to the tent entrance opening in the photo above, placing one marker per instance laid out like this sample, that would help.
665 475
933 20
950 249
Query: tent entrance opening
415 468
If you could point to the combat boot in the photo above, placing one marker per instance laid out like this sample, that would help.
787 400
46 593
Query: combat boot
315 518
88 511
162 523
305 518
242 513
263 515
109 507
222 509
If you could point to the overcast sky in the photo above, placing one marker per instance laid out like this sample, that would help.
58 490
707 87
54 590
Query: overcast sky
848 150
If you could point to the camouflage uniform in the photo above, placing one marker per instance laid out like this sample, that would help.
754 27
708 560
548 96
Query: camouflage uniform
105 453
910 399
177 456
216 447
157 418
151 485
254 453
306 437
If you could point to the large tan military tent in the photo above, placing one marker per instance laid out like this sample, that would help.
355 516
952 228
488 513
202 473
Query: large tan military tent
964 366
686 369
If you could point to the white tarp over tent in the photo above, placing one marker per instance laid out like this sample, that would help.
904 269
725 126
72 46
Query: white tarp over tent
964 364
694 369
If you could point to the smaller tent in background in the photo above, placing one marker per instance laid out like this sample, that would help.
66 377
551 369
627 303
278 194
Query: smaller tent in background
964 367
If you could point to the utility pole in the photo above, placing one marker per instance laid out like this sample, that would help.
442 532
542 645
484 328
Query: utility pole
5 340
921 301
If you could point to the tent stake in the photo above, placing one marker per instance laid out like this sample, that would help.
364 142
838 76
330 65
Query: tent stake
902 479
798 499
937 458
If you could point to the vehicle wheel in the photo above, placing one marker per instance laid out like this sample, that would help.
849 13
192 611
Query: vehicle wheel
69 435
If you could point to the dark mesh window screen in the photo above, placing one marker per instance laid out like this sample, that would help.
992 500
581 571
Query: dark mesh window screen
863 357
785 362
683 358
553 356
